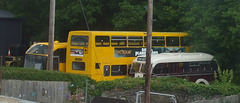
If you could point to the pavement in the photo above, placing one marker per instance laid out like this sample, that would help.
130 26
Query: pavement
6 99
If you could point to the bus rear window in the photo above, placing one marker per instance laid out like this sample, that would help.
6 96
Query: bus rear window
79 40
39 49
172 41
78 66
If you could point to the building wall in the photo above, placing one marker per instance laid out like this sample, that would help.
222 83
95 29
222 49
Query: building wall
10 34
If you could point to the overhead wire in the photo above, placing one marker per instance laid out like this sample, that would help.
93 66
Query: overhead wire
84 15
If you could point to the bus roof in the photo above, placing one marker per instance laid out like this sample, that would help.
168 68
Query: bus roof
129 32
56 44
174 57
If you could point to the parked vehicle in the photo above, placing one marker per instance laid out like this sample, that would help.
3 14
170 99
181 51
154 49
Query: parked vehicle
196 67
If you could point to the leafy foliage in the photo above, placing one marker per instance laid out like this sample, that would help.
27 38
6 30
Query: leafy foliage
213 25
224 78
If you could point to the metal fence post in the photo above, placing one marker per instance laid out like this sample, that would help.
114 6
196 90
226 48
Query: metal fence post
86 90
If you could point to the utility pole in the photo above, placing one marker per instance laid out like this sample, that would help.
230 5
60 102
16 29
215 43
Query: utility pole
51 34
148 54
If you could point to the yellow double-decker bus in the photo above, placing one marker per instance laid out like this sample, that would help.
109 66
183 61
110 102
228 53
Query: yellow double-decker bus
107 55
36 56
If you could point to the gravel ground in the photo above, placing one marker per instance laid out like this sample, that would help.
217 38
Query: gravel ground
6 99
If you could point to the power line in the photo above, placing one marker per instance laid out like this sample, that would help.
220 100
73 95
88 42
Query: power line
84 15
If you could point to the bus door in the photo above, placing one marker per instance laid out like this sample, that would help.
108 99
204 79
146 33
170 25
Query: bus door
98 71
106 72
56 63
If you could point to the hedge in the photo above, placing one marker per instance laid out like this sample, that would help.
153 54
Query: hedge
170 84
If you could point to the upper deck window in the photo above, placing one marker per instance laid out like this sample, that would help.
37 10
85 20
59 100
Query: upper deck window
119 41
135 41
102 41
184 42
79 40
39 49
172 41
156 41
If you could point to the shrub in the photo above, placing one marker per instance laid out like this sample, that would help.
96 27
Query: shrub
171 84
76 80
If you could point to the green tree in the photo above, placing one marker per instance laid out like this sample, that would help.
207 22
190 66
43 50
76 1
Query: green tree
213 26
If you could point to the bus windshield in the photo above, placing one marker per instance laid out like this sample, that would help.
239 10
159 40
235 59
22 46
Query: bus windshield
137 68
39 49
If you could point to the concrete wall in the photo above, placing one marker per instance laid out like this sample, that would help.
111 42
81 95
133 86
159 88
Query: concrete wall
227 99
40 91
130 96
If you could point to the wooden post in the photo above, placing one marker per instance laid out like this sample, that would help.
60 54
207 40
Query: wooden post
148 54
0 77
51 34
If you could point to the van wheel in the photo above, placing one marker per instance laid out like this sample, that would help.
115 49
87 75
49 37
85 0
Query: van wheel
202 81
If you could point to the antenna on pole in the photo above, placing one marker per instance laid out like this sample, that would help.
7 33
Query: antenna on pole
84 15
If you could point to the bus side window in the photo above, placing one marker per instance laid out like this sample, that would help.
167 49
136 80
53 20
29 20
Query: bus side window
157 69
135 41
118 70
156 41
102 41
119 41
186 67
172 41
165 70
106 70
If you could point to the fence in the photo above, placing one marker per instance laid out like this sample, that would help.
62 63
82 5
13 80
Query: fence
39 91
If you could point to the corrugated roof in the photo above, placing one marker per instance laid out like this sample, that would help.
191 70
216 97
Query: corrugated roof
5 14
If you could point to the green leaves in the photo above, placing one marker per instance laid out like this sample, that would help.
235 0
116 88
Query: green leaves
130 16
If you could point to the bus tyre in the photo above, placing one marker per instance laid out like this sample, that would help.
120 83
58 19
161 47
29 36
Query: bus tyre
202 81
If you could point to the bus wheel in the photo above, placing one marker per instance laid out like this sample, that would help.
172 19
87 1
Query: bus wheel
202 81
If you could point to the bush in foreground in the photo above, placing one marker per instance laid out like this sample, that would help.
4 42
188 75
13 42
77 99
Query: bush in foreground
170 84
